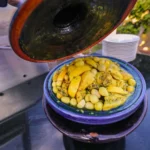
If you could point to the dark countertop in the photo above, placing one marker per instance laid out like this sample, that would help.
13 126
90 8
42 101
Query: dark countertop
30 130
21 97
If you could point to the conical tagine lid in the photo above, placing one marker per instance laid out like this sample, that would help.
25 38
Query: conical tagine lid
47 30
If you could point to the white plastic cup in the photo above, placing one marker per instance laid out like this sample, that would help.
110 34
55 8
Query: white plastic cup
122 46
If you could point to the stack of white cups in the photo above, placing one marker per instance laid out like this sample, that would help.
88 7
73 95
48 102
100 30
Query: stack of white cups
122 46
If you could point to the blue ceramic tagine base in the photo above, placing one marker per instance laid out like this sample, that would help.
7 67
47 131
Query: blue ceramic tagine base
95 133
97 117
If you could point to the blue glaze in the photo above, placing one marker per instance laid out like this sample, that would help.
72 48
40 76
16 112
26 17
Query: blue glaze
96 117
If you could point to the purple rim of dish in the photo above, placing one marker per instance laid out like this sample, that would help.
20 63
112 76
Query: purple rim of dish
96 120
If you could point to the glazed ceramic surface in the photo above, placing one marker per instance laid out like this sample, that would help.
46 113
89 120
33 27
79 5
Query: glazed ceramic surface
45 30
98 117
94 133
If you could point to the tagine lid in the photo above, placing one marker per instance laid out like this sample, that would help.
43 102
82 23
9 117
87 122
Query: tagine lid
44 31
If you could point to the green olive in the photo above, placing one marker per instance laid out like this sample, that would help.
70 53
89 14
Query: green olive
81 104
101 67
130 88
53 84
103 91
89 106
95 92
94 99
59 95
79 63
87 97
55 90
96 59
65 100
132 82
99 106
94 71
73 102
58 83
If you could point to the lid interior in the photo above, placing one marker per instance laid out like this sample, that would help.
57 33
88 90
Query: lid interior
58 28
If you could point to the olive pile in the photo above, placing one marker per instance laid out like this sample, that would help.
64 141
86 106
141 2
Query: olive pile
93 83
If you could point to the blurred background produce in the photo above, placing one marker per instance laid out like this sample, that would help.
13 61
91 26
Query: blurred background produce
138 23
